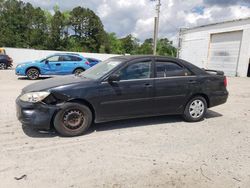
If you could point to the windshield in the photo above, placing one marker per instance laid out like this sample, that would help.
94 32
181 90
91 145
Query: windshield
101 69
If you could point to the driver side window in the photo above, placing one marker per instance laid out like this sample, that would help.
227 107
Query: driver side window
53 59
139 70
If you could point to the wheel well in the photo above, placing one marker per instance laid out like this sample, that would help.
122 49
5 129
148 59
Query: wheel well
202 95
84 102
32 68
3 61
81 101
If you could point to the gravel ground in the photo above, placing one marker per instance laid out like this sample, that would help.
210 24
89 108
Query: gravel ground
151 152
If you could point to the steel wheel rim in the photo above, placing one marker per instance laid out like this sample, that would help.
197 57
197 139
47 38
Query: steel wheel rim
33 74
2 66
73 119
196 108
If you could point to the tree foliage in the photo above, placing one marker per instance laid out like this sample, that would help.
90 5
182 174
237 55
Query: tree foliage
80 29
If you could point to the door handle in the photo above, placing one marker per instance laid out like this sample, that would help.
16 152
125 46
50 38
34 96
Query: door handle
58 64
192 81
148 85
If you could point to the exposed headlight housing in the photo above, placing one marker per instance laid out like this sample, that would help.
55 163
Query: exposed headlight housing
34 97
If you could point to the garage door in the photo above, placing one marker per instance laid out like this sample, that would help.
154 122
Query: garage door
224 52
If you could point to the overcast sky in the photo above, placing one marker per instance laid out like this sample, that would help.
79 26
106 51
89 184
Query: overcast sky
136 16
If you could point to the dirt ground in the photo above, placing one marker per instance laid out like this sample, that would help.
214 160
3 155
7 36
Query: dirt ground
151 152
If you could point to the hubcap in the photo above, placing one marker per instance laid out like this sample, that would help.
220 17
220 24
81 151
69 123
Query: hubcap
77 72
73 119
196 108
33 74
2 66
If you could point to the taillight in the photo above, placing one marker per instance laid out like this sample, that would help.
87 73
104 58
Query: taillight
87 63
225 81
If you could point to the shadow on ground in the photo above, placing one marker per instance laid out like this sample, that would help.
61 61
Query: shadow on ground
40 78
122 124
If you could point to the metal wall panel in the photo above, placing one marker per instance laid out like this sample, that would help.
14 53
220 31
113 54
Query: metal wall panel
224 52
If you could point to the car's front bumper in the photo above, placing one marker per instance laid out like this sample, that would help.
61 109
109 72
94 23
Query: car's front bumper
37 115
20 71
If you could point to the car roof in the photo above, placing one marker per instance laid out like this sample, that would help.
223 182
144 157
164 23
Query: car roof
133 57
188 65
74 54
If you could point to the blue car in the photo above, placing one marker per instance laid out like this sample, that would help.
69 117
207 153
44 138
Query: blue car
56 64
93 61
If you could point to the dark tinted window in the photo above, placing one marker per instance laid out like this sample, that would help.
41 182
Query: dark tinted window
140 70
91 60
69 58
168 69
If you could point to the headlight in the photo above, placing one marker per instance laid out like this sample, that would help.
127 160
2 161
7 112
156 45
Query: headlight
19 66
34 97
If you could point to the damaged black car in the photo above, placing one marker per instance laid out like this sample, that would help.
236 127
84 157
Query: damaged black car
121 88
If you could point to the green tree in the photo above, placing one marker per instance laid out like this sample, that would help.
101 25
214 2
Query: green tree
57 27
88 27
166 48
146 47
113 44
36 34
129 44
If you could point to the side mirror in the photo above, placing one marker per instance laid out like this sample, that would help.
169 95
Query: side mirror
46 61
114 78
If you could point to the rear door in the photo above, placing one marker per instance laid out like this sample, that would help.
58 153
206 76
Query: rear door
132 95
173 85
69 64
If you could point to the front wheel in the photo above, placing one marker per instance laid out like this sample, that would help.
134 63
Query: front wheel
195 110
32 73
73 119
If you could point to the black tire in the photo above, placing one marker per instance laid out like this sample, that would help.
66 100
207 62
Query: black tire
3 66
195 109
73 119
33 73
78 71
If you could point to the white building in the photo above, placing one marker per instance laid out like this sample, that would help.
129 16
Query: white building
221 46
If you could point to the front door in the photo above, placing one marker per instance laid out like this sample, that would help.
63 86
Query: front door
131 96
51 65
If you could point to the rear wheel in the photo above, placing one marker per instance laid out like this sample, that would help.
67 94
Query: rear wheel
78 71
195 109
73 119
3 66
32 73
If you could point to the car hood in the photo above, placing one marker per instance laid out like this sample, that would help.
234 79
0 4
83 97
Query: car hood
54 82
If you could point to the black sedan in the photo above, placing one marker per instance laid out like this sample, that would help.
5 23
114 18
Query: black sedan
121 88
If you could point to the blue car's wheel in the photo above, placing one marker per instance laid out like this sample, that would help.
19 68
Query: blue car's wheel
78 71
32 73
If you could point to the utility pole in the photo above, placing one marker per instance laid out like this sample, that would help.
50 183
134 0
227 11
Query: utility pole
156 24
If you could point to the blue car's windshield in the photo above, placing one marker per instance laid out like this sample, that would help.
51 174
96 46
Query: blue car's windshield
101 69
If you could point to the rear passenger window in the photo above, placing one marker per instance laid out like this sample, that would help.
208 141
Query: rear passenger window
170 69
74 58
71 58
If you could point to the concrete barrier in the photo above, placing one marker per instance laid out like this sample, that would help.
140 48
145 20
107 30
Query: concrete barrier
20 55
